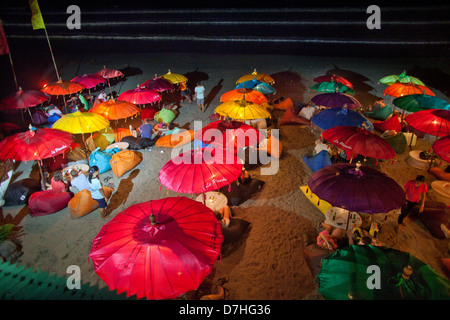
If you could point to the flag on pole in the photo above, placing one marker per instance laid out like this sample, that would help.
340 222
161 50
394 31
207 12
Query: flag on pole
36 17
4 48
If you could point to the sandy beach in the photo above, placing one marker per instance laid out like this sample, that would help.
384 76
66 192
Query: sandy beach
269 263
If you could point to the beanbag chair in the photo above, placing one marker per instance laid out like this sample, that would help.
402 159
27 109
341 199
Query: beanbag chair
47 202
434 214
284 104
20 191
53 118
318 161
440 174
57 162
76 154
398 142
124 161
101 159
176 139
290 117
83 203
101 140
266 145
165 115
233 235
390 124
120 133
238 193
148 113
133 142
380 114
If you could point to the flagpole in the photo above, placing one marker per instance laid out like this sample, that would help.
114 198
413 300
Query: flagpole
51 52
14 72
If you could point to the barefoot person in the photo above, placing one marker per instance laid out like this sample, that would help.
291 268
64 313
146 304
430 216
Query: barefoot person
97 192
200 96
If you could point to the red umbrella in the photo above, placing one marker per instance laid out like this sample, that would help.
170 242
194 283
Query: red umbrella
442 148
435 122
157 84
89 81
35 145
24 99
62 88
232 134
200 171
335 78
158 249
354 141
140 96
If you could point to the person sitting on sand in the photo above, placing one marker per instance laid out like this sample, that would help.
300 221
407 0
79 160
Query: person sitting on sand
245 177
57 183
325 239
146 130
78 182
416 193
224 215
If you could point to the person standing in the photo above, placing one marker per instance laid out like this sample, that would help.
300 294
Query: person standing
185 92
200 96
416 192
97 192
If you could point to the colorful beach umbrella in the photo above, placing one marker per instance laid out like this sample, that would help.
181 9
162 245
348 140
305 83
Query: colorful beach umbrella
89 81
229 134
242 110
330 86
403 89
174 78
157 84
115 109
418 102
336 100
158 249
140 96
249 84
359 141
348 274
200 171
264 88
435 122
357 188
263 77
62 88
243 94
330 118
335 78
401 78
109 74
24 99
35 145
81 122
442 148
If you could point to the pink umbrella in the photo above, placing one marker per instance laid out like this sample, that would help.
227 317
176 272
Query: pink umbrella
24 100
157 84
140 96
89 80
200 171
109 74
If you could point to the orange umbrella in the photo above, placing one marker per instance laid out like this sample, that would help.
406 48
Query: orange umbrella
244 94
258 76
115 109
403 89
62 88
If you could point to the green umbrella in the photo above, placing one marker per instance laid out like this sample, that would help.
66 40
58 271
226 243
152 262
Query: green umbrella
360 272
331 86
419 102
402 78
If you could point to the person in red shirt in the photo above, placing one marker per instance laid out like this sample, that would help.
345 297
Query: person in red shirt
416 193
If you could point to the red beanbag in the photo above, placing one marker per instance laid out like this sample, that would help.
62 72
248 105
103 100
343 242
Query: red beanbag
390 124
148 113
47 202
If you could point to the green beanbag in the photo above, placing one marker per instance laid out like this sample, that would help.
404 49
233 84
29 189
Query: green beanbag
165 115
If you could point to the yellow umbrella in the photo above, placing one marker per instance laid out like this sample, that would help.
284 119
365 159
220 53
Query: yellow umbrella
258 76
115 109
174 77
81 122
242 110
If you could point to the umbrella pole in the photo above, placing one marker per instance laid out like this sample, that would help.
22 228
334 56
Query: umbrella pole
43 185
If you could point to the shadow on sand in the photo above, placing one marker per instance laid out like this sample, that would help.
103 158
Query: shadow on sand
120 195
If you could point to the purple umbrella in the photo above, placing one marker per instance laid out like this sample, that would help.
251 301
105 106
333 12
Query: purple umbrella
357 188
157 84
336 100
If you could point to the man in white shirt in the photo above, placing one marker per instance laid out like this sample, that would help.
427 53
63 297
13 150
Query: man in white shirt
200 97
79 182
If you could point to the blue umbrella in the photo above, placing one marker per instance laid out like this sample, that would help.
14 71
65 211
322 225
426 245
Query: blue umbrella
250 84
264 88
330 118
